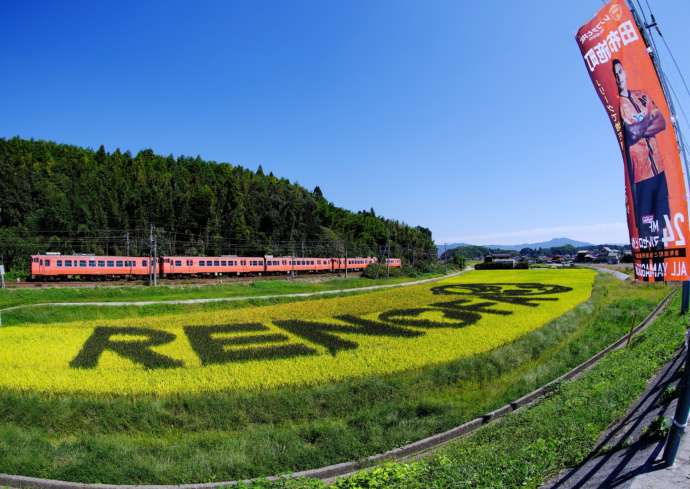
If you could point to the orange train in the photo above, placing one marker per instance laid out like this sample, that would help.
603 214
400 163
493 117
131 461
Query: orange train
55 266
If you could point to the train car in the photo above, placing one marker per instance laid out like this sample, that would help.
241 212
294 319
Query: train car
310 264
215 265
394 262
356 263
278 264
288 264
63 266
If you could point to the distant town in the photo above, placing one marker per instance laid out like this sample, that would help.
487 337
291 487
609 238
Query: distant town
562 255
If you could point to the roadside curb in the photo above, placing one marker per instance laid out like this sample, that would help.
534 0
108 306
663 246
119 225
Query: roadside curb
330 472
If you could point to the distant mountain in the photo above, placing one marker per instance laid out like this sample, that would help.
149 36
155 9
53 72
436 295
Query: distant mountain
552 243
443 247
555 242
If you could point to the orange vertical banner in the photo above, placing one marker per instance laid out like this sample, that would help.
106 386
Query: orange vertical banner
624 77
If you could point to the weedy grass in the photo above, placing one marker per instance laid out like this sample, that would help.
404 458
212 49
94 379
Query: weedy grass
224 435
298 343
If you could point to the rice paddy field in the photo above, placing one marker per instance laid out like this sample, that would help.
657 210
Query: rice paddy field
250 390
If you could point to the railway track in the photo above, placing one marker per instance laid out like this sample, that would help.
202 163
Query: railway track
305 277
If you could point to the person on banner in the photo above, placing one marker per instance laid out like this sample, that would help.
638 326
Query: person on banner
642 121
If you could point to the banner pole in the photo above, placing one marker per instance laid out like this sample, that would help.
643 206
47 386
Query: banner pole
680 418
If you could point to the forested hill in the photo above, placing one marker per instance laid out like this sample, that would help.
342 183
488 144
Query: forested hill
56 197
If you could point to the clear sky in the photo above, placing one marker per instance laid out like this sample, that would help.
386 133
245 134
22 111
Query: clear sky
475 119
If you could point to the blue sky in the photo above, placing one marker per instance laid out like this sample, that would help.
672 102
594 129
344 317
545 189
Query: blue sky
475 119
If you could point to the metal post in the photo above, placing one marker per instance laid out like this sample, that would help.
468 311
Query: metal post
152 258
155 262
680 419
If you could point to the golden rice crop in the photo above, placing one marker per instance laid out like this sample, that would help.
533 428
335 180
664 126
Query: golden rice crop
293 343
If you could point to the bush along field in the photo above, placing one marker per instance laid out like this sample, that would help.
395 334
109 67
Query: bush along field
238 393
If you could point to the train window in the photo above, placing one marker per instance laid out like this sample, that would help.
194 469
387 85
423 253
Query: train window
59 263
202 263
178 263
223 263
68 263
216 263
101 263
243 262
144 263
47 263
111 263
118 263
82 263
92 263
190 263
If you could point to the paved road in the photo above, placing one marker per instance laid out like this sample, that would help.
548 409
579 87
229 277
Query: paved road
615 273
633 462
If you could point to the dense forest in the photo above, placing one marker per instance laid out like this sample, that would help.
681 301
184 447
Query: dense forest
62 198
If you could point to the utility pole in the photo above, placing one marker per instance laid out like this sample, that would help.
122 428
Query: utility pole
155 262
388 252
153 258
127 243
292 260
345 247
